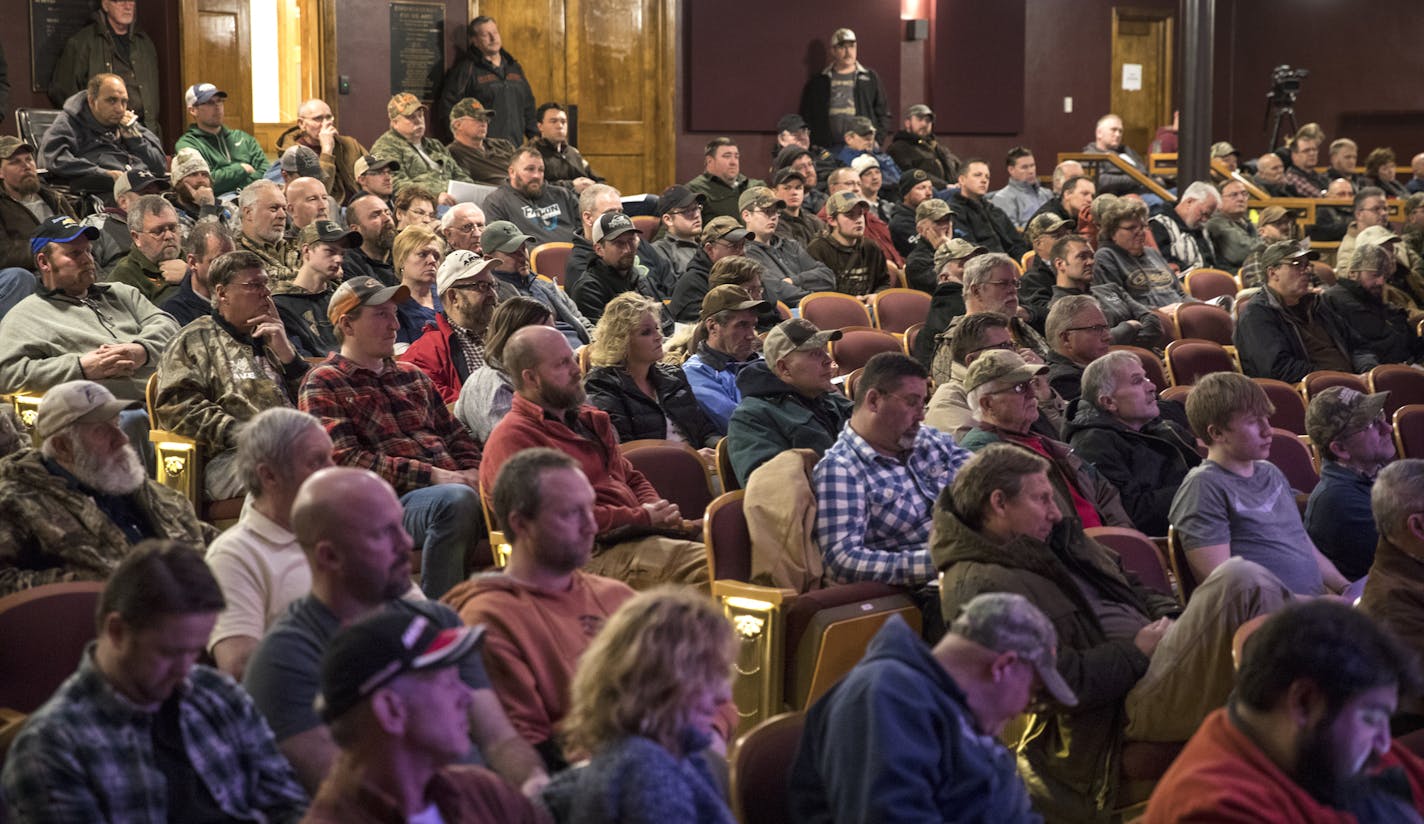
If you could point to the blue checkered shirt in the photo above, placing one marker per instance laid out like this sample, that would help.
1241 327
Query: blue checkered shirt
87 755
873 512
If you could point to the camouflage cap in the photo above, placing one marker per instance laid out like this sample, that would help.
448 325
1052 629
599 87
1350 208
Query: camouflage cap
955 249
1045 224
1000 365
861 126
759 197
187 161
1284 250
1339 412
723 228
842 203
9 144
470 107
933 209
795 335
1275 214
1375 235
1007 622
405 104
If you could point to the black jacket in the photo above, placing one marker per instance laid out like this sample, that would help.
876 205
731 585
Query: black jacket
1118 307
1376 327
1065 376
984 224
636 416
902 229
357 264
1146 466
660 271
920 269
504 89
946 304
692 287
185 305
1271 347
1110 180
17 223
1036 291
78 148
870 101
910 151
601 283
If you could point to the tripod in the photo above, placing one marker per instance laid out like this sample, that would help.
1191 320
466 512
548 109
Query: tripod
1283 112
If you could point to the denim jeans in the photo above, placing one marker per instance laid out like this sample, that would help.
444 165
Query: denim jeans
445 521
15 285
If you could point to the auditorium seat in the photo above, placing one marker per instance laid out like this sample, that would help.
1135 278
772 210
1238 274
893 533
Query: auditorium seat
1318 381
1181 570
834 310
858 346
1290 407
1138 553
1205 284
549 260
1409 431
647 226
1405 385
759 765
724 467
911 335
896 310
676 471
1190 359
1204 321
1151 364
1292 455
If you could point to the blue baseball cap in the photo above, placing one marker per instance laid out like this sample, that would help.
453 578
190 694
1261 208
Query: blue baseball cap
60 229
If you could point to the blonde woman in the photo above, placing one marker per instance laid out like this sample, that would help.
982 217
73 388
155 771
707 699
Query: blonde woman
416 254
643 704
643 397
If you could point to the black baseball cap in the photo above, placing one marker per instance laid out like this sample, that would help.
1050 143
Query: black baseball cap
790 154
785 174
911 179
790 123
328 231
678 197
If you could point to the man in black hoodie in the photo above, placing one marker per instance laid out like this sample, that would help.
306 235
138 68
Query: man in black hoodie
492 76
593 203
981 222
613 270
915 147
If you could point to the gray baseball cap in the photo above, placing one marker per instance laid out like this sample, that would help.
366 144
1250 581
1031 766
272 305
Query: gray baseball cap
1007 622
503 236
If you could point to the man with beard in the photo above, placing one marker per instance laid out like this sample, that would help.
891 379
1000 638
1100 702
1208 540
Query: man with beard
1305 736
1358 298
336 153
680 210
915 147
223 369
141 732
613 270
858 264
263 207
193 299
454 346
371 216
423 160
153 265
462 226
881 536
71 510
642 537
721 181
75 328
233 156
484 158
356 573
385 415
192 193
306 202
547 213
509 249
324 247
24 202
1180 232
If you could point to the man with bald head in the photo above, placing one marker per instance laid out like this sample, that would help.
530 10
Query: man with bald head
1107 139
337 153
355 573
642 537
96 138
307 202
462 226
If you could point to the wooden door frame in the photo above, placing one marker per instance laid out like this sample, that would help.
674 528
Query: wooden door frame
1166 16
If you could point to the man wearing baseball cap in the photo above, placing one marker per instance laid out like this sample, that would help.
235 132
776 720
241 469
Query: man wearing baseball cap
1286 332
727 345
115 240
508 248
792 184
322 248
860 149
423 160
299 161
75 328
1141 667
234 157
790 273
864 736
375 176
71 510
387 416
1273 224
1375 311
24 202
788 399
858 264
485 159
721 237
615 269
1036 285
680 211
192 194
454 345
933 224
392 695
844 89
915 187
1355 442
915 147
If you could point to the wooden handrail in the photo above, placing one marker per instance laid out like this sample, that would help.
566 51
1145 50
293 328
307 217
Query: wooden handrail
1094 159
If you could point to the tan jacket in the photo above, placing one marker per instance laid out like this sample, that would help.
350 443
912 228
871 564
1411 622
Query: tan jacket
780 508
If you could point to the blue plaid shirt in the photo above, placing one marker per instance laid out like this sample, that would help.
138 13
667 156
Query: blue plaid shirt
87 755
873 512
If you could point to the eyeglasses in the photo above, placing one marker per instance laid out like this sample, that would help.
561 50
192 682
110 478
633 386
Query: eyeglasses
1021 388
467 229
688 212
1133 227
1012 283
1006 346
1295 264
254 285
486 286
420 213
1097 328
160 231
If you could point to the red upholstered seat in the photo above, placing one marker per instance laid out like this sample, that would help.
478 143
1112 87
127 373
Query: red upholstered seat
1292 456
858 346
896 310
1151 364
549 260
676 471
834 310
1190 359
1202 320
1317 382
1138 553
1405 385
1409 431
1290 406
43 632
1205 284
760 769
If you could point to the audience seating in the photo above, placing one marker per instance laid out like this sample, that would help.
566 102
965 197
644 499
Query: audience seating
549 260
499 544
676 471
724 468
1028 260
1290 407
1181 570
1151 364
793 645
1191 358
834 310
1238 638
1409 431
27 407
1405 385
647 226
760 769
911 335
1205 284
585 358
1203 321
783 311
179 465
896 310
1291 453
1175 393
851 381
859 345
1323 379
1138 552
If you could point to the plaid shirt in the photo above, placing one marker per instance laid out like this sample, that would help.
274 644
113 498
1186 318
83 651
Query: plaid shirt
472 343
87 755
391 422
873 512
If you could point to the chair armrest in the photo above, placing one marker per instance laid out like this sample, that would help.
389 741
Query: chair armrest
756 613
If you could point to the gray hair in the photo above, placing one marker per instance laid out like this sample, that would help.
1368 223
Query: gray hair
979 269
998 466
144 206
270 438
973 396
591 195
1370 257
1100 377
1061 314
1398 493
448 219
1201 190
254 190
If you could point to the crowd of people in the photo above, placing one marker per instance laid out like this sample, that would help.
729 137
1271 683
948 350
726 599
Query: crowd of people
372 367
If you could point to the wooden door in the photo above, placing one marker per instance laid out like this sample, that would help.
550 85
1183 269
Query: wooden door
217 49
617 67
1141 38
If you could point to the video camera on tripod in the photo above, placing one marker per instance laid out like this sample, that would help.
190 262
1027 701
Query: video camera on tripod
1280 100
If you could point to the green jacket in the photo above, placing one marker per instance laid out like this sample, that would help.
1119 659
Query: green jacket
225 153
212 378
1069 758
721 198
138 271
413 168
91 51
52 532
772 417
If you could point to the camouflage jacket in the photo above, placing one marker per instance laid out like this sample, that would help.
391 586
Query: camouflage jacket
279 259
52 531
413 168
212 378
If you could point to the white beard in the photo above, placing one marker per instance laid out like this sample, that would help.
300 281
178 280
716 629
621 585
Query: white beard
118 473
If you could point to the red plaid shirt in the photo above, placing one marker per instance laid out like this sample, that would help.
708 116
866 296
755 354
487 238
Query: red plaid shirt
391 422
